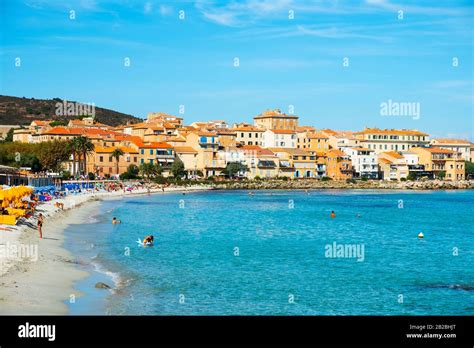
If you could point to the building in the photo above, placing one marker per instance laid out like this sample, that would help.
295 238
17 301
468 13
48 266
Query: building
313 141
301 162
102 163
364 162
275 119
383 140
248 135
393 166
339 166
279 138
188 156
443 163
341 139
456 145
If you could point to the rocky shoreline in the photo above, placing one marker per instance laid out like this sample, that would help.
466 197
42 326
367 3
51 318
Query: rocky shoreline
318 184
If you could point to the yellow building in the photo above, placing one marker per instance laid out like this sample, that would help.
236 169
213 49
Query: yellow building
393 166
296 163
275 119
315 142
441 161
101 161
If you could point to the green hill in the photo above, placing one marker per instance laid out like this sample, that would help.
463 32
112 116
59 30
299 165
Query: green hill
21 111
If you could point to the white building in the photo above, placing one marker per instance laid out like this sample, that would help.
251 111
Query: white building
279 138
364 162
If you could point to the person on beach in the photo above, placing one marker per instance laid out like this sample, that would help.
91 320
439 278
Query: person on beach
333 214
115 221
40 225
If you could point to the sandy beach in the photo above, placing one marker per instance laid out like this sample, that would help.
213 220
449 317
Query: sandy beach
39 282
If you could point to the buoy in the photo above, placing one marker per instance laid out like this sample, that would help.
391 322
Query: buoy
420 235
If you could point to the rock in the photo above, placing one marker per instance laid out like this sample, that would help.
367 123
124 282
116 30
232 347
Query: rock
101 285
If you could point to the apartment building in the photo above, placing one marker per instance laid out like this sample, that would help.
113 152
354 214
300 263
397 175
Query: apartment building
339 165
383 140
443 163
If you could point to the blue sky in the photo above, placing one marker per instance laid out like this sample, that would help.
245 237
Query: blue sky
283 61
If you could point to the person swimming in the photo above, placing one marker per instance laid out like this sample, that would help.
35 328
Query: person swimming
333 214
115 221
148 241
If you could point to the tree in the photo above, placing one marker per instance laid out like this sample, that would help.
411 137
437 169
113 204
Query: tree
85 147
177 168
234 168
148 170
131 173
469 170
441 175
116 154
52 154
9 136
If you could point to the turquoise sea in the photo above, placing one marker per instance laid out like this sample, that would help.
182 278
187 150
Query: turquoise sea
231 253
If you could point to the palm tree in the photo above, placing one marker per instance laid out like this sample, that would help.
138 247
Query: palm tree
116 154
73 147
147 170
85 148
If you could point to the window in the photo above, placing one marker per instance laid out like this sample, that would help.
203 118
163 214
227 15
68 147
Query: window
110 158
151 161
142 161
101 158
142 151
135 159
151 152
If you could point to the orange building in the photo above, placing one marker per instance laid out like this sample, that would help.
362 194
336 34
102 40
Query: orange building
339 166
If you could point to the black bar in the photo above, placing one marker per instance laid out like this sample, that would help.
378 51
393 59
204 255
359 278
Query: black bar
146 330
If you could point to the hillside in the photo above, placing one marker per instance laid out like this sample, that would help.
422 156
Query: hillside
21 111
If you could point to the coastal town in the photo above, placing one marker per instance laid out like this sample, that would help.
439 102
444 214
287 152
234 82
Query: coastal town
275 145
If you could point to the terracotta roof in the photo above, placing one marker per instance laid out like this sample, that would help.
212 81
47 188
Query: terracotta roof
272 113
451 141
433 149
248 129
184 149
110 149
391 131
393 154
336 152
282 131
316 135
42 123
301 129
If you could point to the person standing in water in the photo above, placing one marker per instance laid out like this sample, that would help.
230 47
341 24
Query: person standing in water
40 225
333 214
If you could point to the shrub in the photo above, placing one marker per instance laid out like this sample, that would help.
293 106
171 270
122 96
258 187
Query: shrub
325 178
66 175
350 181
364 178
91 176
